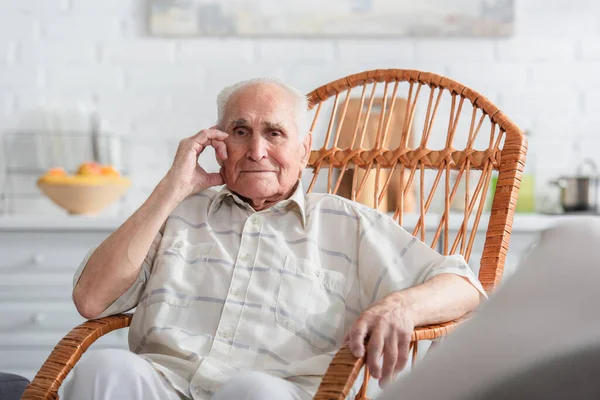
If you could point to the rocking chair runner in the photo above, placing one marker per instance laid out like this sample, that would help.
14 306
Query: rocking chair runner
504 150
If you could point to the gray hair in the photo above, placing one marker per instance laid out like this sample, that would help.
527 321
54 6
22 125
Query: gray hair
301 101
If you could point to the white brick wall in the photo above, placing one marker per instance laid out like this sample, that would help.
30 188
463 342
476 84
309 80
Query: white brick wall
589 51
216 51
17 26
591 103
33 6
535 49
278 51
17 76
106 7
91 77
546 77
137 52
455 50
490 78
388 51
7 52
65 27
53 52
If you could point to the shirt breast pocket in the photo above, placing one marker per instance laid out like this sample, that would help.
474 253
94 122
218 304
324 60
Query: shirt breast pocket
311 303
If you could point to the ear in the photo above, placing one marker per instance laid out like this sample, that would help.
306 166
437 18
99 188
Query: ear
307 146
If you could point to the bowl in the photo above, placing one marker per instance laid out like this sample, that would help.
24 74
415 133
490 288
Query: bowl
84 195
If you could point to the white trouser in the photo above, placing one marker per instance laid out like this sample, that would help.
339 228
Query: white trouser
114 374
259 386
548 310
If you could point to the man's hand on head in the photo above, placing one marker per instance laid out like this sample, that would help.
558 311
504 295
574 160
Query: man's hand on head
383 329
186 176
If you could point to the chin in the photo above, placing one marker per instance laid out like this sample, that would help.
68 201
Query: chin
256 188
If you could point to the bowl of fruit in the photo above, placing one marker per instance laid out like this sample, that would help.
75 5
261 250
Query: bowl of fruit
91 189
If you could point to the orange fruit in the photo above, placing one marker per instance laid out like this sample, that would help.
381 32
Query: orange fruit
58 171
109 170
89 168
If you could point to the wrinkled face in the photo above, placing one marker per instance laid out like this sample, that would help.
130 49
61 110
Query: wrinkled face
265 153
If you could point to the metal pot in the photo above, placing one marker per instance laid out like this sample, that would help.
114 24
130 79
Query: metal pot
580 193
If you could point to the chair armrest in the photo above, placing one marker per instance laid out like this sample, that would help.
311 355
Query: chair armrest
66 354
436 331
340 375
344 367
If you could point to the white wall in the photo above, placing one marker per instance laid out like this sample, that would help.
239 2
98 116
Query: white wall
546 77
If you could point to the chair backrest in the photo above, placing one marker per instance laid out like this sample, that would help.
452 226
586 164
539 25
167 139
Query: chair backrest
460 139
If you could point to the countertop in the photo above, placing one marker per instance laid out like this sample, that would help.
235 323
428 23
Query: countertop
58 223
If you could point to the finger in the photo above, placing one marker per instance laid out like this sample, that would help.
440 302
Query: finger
390 356
403 352
191 144
205 135
199 141
214 179
220 149
214 133
374 352
356 338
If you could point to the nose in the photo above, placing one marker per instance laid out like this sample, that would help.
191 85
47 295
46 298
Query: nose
258 148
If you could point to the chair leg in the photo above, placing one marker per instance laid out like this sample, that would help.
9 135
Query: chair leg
415 351
362 393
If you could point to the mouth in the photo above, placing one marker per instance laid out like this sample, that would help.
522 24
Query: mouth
257 172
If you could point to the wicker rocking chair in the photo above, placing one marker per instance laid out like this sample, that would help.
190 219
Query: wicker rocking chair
482 147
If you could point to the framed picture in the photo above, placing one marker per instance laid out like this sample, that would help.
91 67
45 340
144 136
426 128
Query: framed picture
331 18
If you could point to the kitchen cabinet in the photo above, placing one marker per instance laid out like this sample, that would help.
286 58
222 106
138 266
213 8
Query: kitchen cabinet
38 257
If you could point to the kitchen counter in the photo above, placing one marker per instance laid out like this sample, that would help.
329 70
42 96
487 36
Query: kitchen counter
58 223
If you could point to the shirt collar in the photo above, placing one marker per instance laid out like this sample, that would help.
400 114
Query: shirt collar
296 198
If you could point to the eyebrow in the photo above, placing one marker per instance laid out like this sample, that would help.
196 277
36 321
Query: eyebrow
238 122
270 126
274 126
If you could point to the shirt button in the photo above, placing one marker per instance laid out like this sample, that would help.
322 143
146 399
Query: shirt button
225 335
245 257
235 292
198 391
178 245
318 274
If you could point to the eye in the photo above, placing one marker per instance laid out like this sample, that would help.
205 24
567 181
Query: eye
240 131
275 134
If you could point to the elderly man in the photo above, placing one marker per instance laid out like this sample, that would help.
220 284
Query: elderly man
247 292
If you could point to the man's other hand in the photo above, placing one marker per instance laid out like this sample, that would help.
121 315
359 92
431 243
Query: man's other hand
386 327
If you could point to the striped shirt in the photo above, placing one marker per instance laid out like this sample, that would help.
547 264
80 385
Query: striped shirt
225 288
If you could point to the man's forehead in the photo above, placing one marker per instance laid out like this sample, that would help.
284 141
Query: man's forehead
261 104
263 121
267 98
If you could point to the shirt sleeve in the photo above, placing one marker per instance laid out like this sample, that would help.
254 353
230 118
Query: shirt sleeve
391 259
131 297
